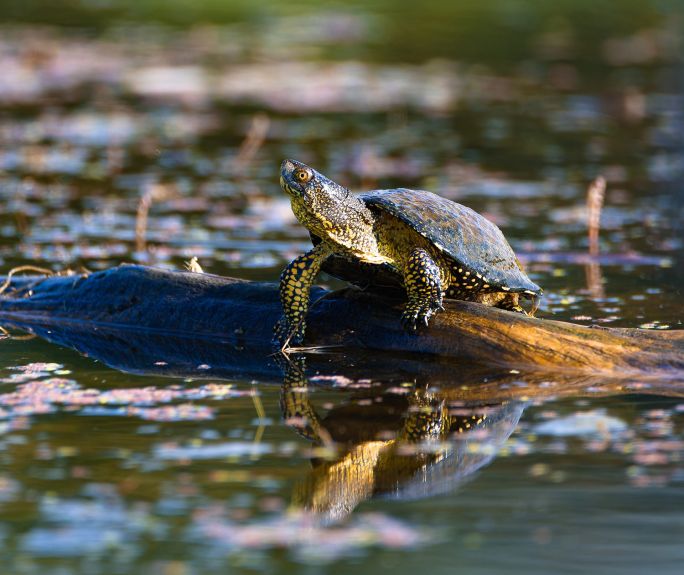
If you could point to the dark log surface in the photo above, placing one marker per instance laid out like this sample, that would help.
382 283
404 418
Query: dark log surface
241 315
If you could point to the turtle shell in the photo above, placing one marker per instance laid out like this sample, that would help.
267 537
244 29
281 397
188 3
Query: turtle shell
458 231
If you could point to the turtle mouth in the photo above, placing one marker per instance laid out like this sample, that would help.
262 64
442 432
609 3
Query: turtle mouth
288 188
287 181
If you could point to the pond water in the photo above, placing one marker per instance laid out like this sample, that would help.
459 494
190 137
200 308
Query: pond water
112 111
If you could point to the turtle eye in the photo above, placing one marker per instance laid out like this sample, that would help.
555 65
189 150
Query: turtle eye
302 176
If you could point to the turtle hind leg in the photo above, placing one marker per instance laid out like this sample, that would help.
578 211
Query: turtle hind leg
424 289
511 302
295 285
535 298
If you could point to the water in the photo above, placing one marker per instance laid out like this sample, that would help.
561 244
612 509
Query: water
129 469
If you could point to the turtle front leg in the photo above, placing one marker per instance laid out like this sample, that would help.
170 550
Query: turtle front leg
424 289
295 405
295 284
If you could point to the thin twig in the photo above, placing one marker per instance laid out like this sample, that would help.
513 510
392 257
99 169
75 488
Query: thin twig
18 269
155 192
261 414
258 406
313 348
595 197
594 277
26 337
5 334
256 135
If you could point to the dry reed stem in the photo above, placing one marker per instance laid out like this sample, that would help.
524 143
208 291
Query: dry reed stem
256 135
595 197
154 193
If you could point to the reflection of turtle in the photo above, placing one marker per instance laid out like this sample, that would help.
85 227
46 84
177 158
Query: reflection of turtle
438 248
402 446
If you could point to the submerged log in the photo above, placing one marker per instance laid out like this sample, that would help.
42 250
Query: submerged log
241 314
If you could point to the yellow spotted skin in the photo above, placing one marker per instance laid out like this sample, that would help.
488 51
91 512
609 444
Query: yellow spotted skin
295 406
347 226
427 415
397 242
423 288
295 284
436 248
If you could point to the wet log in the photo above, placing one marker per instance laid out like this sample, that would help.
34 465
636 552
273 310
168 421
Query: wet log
241 315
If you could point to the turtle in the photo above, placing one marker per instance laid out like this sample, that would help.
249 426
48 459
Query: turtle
434 248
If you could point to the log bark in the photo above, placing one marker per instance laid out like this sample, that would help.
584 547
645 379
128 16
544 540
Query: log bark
241 315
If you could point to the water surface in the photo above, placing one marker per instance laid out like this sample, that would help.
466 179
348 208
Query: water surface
147 469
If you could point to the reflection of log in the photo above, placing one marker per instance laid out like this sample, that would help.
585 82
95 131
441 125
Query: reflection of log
242 314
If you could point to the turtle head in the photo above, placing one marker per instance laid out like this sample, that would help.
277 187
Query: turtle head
327 209
303 183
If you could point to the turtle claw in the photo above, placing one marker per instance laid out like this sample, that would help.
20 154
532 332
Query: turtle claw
286 335
409 321
414 316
